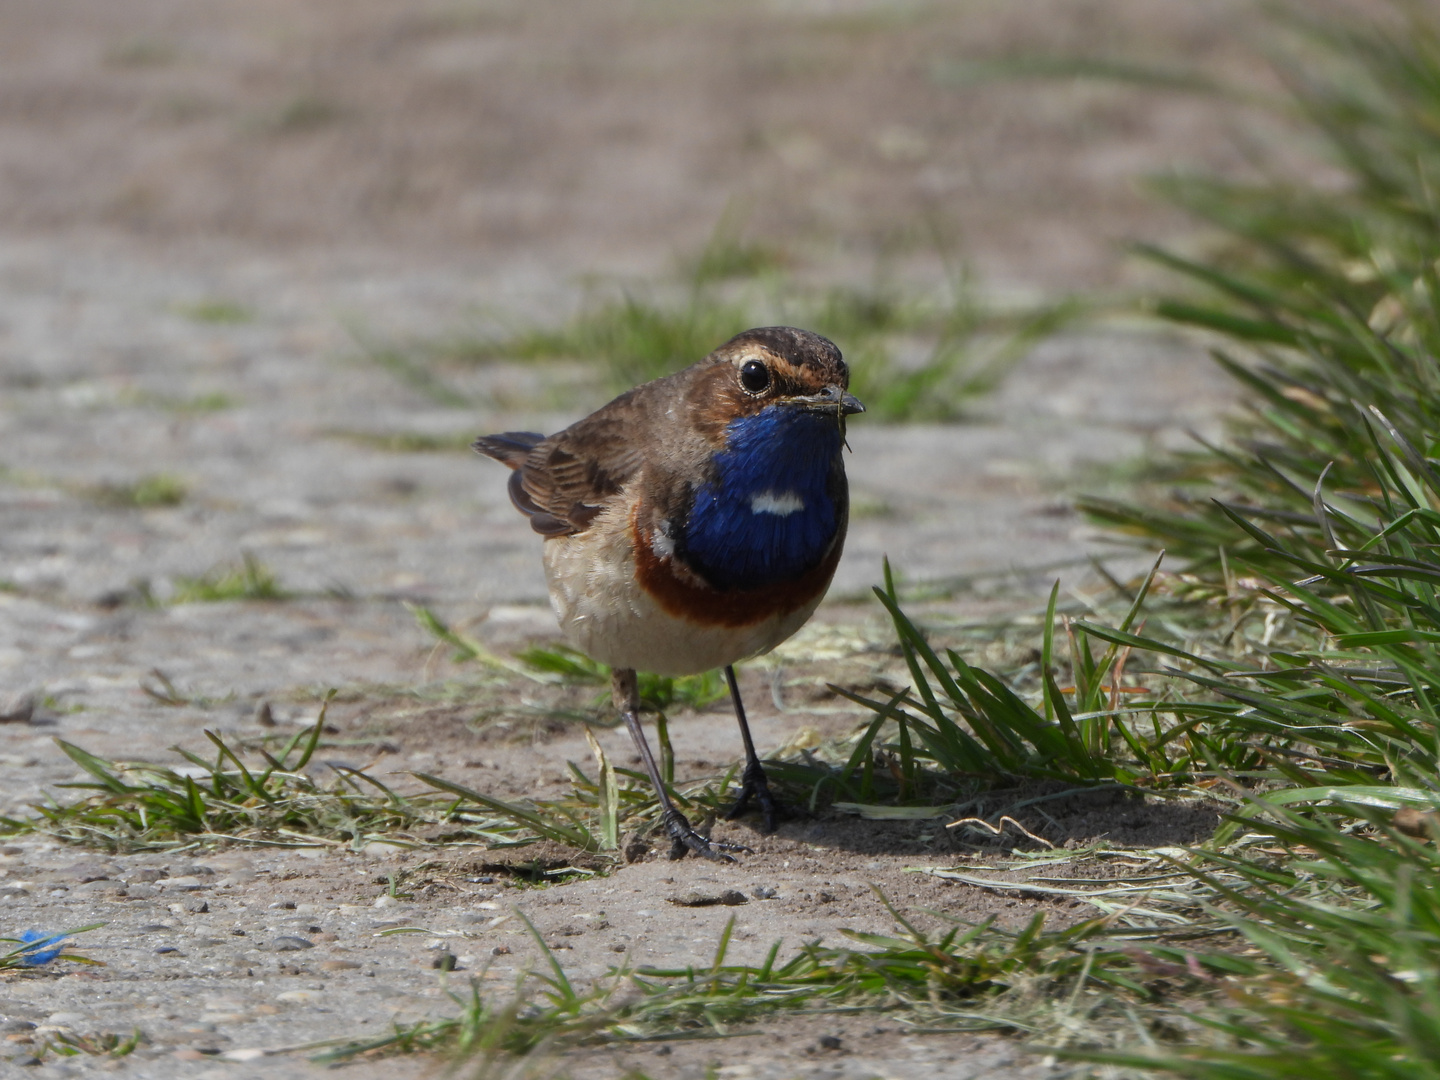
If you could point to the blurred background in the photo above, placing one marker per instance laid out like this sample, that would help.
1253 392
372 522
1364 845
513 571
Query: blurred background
610 137
267 268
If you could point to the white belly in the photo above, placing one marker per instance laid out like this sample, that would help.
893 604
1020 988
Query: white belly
605 613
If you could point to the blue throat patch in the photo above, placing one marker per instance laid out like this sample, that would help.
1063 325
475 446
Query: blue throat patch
769 515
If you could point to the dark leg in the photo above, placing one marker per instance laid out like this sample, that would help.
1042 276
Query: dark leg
753 782
625 690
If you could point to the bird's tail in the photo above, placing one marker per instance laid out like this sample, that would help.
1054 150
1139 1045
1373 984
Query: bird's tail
511 447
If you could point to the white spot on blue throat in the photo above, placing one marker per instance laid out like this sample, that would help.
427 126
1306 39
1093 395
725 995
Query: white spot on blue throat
779 503
769 511
662 544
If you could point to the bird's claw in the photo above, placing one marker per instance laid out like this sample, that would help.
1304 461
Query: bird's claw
753 784
684 838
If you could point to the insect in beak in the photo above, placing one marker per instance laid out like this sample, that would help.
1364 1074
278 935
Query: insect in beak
832 398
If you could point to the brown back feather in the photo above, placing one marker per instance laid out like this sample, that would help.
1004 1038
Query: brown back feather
663 434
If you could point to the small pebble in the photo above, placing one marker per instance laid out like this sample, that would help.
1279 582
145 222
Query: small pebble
694 898
25 1059
379 849
338 965
166 949
500 950
290 943
733 898
445 962
825 898
765 892
104 887
13 1027
829 1042
88 870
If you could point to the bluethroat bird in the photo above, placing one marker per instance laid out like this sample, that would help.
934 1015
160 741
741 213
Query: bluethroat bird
693 522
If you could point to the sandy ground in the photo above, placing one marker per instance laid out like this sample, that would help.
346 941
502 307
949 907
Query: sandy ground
207 202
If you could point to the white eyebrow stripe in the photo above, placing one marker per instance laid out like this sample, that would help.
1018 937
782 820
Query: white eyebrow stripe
779 503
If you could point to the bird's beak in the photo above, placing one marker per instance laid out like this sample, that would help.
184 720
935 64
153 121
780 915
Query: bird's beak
831 399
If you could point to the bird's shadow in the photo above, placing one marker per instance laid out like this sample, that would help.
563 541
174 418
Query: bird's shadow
1031 817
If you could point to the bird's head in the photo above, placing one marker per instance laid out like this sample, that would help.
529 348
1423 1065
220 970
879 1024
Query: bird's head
774 367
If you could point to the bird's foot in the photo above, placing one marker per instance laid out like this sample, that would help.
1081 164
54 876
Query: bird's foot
684 838
754 785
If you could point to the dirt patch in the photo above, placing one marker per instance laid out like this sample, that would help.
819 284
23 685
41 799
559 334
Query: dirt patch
237 951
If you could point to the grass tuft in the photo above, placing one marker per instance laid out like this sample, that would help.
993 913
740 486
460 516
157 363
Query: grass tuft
157 489
300 114
213 401
251 580
407 442
959 722
634 339
728 256
216 311
259 797
911 358
658 692
413 370
961 977
631 338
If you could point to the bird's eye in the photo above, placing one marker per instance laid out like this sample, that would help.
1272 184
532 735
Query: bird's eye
755 376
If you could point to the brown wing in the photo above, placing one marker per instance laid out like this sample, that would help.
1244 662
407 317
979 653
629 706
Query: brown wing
563 482
513 447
